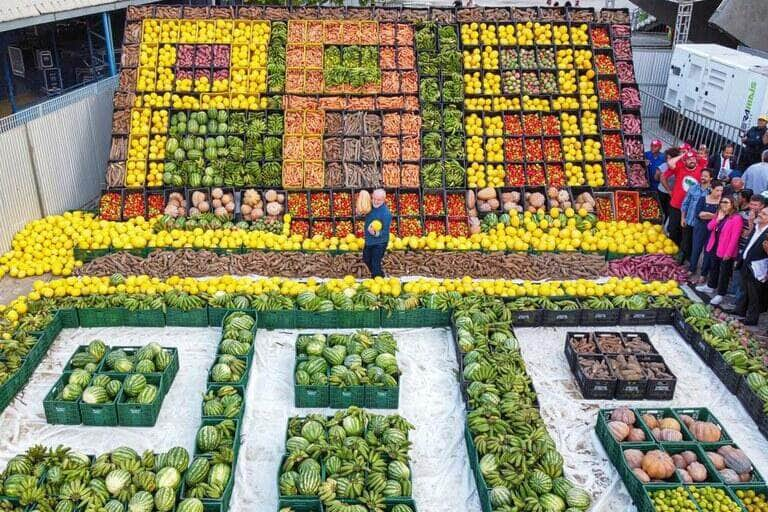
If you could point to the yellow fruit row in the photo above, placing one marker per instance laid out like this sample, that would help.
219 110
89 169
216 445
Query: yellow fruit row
524 34
205 31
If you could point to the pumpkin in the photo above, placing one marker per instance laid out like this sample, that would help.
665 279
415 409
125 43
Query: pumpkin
729 476
633 457
687 420
705 431
363 203
717 460
679 461
641 475
274 209
486 193
685 476
667 434
270 196
619 430
650 420
689 456
470 199
658 465
636 434
735 459
624 414
698 471
745 477
669 423
217 193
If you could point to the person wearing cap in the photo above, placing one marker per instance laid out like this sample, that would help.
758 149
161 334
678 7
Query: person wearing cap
756 175
723 163
686 171
754 142
669 155
653 159
703 152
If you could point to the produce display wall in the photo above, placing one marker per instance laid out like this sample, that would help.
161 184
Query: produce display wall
318 103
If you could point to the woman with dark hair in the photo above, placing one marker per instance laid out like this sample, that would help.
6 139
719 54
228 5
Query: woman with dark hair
723 246
706 209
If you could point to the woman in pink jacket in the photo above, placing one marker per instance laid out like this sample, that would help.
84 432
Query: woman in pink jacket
723 246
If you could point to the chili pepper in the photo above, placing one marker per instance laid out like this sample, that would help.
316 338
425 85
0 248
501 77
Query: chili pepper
457 205
612 145
155 205
627 207
604 64
555 175
513 150
134 205
649 208
531 124
109 206
342 206
533 151
512 125
608 90
433 204
300 227
600 38
360 228
552 150
410 227
323 228
534 175
609 119
409 203
320 204
604 208
617 174
343 228
458 227
551 124
297 205
515 175
436 226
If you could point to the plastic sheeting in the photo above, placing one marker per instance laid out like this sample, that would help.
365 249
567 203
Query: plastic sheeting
429 399
571 419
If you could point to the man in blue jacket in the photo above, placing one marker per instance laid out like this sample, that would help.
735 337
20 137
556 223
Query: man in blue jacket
376 233
754 142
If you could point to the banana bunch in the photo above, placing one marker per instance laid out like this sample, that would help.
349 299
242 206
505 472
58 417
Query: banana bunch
143 302
597 303
182 300
271 301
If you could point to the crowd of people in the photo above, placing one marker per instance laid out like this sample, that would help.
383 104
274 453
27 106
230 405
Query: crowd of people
716 210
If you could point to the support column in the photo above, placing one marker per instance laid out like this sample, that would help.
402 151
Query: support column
7 72
107 22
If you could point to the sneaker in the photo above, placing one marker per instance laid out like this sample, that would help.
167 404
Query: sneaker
705 289
717 299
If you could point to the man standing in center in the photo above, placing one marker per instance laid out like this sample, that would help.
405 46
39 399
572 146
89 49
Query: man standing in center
686 171
377 224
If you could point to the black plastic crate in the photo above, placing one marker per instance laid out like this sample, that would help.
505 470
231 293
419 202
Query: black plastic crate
526 318
724 371
561 318
637 317
701 347
570 352
681 326
595 388
600 317
628 389
659 389
628 336
751 402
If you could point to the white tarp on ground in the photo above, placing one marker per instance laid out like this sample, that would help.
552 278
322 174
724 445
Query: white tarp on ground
429 398
571 419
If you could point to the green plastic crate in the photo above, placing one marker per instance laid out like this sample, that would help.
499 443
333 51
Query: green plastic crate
61 412
80 349
192 318
613 448
380 397
313 319
101 415
309 506
309 396
358 319
341 398
298 501
8 390
145 318
419 317
471 450
662 413
140 415
169 374
644 501
69 319
676 448
758 489
243 380
278 319
101 317
216 387
701 414
391 502
757 478
726 488
216 316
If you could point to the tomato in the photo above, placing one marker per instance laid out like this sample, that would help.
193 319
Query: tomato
627 206
533 150
512 125
550 124
608 90
612 145
609 119
320 204
458 227
600 38
343 227
531 124
410 227
297 205
433 204
322 227
649 208
409 203
109 206
515 175
134 205
436 226
457 205
617 174
342 205
555 175
300 227
534 175
513 150
155 205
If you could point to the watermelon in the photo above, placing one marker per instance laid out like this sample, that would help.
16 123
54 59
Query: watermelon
539 482
113 388
551 503
401 508
117 480
296 444
177 457
500 496
163 360
97 349
194 154
101 380
80 359
303 378
142 501
332 465
148 395
197 471
19 465
309 465
95 395
577 497
208 438
308 483
316 365
134 384
312 431
70 392
353 426
168 477
220 473
123 365
755 381
190 505
392 488
165 499
79 378
171 145
560 486
112 506
193 126
145 366
123 455
398 470
393 436
221 373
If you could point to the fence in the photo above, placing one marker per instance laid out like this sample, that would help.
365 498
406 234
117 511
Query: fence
54 155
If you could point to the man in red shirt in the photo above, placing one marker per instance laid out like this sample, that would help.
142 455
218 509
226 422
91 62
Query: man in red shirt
685 170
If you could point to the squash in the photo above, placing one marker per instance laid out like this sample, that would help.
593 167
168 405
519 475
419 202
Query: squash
636 435
486 193
641 475
633 457
679 461
624 414
470 199
203 206
658 465
669 423
197 197
689 456
705 431
685 476
698 471
729 476
735 459
717 460
687 420
363 203
270 196
667 434
745 477
619 430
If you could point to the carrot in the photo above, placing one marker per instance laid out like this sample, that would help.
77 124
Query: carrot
313 56
411 148
292 148
405 58
350 32
314 175
411 124
392 124
313 148
294 56
410 176
333 32
390 149
387 34
391 175
313 122
369 32
390 82
314 81
361 104
294 80
387 58
293 174
314 31
297 31
404 34
411 104
294 122
409 82
331 103
301 103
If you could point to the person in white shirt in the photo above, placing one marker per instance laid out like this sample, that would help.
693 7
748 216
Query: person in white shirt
723 163
754 256
756 175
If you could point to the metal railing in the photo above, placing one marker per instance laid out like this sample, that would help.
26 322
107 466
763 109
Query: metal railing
675 125
46 107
